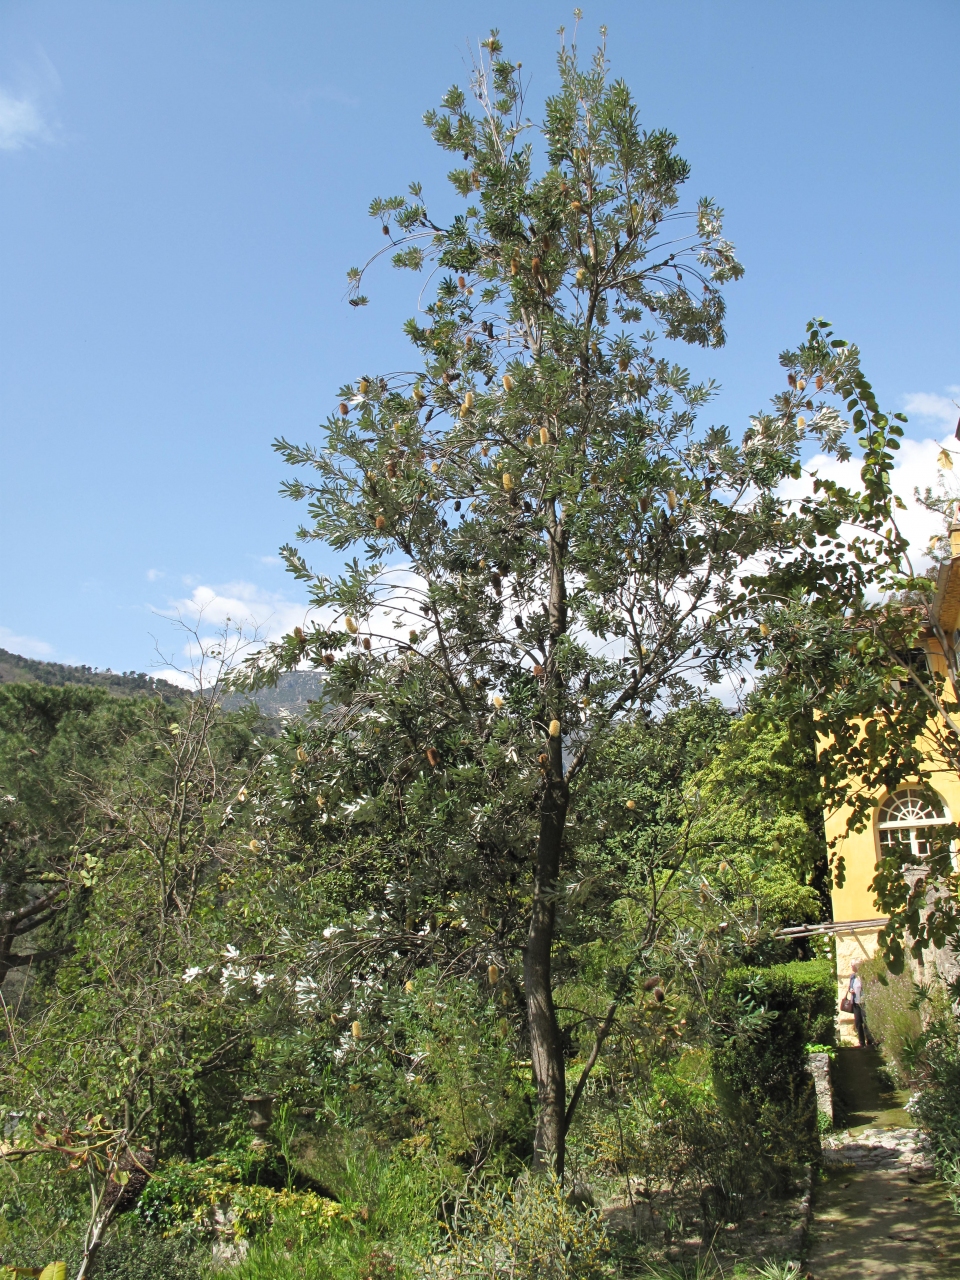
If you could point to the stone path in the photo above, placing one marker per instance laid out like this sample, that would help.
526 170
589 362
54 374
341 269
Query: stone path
880 1213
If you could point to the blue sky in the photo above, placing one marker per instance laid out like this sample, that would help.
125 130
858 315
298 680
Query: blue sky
185 184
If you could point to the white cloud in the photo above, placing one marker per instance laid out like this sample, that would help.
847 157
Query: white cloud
267 614
21 122
154 574
26 646
942 410
28 112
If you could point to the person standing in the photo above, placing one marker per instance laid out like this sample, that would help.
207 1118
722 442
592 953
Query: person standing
855 992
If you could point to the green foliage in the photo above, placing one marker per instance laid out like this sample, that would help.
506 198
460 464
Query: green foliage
186 1199
854 637
15 669
890 1001
935 1061
133 1025
142 1255
545 539
766 1018
528 1231
54 742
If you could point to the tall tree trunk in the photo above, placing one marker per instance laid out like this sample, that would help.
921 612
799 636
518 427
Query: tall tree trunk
546 1049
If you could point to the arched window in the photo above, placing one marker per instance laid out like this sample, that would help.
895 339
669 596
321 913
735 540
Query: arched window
908 822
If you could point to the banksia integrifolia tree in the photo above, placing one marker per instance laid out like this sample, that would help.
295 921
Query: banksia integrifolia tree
546 538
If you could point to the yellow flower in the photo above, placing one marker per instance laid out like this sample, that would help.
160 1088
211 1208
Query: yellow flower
507 382
351 626
544 435
497 701
507 481
554 728
357 1030
672 499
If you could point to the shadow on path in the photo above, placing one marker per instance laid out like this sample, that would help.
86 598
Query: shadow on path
879 1211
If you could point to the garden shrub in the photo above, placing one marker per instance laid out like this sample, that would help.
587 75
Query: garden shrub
197 1200
892 1014
530 1231
765 1020
141 1254
935 1061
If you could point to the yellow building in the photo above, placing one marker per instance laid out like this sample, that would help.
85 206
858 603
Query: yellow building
905 815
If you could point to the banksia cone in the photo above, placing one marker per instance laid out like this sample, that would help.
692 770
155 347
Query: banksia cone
791 380
320 802
496 582
254 846
623 364
644 505
801 422
507 481
764 629
575 205
801 384
329 659
659 995
530 442
554 728
366 643
433 757
493 973
364 386
631 804
461 282
497 701
408 987
351 626
650 983
468 400
507 382
672 499
535 266
298 632
581 275
357 1030
435 466
344 408
537 669
380 522
544 435
819 382
468 341
301 753
514 266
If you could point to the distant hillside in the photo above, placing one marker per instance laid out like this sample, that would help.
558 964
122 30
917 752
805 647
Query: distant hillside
15 669
294 691
290 698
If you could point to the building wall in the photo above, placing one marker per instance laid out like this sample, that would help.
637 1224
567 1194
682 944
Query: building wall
853 900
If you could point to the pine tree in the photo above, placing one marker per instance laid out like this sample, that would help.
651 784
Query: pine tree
548 538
